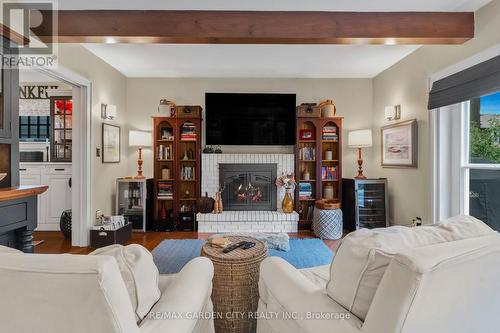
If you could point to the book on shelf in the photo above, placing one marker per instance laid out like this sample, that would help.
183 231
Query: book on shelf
329 173
164 152
330 133
305 190
307 153
166 189
188 172
188 132
310 212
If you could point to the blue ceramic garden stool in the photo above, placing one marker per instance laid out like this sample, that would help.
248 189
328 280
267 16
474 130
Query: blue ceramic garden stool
327 223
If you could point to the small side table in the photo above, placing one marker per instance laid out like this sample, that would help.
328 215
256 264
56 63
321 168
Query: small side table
235 285
327 223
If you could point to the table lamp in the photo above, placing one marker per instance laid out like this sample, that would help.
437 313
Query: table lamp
360 139
139 139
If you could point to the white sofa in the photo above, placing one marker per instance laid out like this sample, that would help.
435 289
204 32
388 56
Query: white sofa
434 279
83 294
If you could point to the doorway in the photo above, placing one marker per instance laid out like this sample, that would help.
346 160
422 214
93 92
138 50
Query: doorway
79 177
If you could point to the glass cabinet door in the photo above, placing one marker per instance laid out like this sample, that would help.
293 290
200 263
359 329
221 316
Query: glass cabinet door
131 202
62 121
370 198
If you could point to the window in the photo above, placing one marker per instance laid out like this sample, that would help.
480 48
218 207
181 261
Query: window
481 162
34 128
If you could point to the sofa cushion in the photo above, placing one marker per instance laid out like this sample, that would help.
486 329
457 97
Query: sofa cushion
364 255
139 273
5 249
318 275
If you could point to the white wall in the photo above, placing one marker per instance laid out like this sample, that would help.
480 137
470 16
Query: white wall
360 101
108 86
407 83
353 98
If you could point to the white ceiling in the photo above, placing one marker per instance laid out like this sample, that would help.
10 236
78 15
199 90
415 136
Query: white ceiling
297 61
31 76
211 60
326 5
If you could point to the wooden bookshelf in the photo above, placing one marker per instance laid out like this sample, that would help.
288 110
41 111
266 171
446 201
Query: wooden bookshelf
181 154
310 157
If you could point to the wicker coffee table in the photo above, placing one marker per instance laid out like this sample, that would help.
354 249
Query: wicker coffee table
235 292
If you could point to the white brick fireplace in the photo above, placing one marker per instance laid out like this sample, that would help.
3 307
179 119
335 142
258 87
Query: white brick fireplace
245 221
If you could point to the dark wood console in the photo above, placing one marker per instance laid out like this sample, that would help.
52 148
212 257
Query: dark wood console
18 216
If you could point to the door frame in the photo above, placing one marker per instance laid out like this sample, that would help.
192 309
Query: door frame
81 174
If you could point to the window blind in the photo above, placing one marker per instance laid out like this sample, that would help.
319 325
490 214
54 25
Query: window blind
479 80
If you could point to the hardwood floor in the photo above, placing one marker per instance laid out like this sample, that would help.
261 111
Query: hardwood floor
54 241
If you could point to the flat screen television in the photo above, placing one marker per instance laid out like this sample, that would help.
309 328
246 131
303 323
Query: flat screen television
250 119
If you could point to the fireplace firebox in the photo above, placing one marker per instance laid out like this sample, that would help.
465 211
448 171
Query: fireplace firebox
248 186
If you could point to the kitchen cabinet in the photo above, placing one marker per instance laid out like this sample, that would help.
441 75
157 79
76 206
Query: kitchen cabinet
6 84
9 111
57 176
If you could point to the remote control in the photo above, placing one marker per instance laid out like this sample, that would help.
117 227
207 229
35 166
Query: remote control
248 245
232 247
244 245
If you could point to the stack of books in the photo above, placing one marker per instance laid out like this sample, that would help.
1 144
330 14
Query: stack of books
305 191
188 132
166 189
307 153
187 172
164 152
329 173
330 133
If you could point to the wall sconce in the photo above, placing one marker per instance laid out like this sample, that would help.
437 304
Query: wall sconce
392 112
108 111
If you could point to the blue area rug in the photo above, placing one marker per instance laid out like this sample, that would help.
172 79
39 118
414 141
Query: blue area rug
171 255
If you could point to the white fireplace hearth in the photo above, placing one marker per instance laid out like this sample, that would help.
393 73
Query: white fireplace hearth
248 221
245 221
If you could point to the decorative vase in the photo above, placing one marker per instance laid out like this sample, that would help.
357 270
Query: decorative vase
218 208
328 109
328 155
165 173
163 212
221 207
328 192
287 204
65 223
166 108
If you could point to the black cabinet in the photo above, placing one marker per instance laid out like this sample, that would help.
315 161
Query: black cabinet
364 203
9 131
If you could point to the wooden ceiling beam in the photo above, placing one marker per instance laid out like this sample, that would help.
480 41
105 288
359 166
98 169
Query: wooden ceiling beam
259 27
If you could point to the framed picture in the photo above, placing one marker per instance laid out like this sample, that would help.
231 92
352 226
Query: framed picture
399 145
306 134
110 143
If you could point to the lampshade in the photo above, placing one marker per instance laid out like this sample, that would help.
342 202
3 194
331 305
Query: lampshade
139 139
360 138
